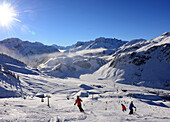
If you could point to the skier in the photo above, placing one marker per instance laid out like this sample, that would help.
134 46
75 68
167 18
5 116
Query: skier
131 108
78 102
123 108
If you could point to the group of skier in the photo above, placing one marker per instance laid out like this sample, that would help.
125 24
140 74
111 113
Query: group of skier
78 102
131 106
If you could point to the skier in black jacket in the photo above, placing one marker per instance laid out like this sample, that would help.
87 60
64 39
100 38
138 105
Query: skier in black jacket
131 108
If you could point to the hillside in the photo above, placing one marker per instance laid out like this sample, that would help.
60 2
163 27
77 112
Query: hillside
10 70
141 62
101 101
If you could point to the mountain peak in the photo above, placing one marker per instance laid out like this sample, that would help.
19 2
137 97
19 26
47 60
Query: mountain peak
166 34
103 39
12 40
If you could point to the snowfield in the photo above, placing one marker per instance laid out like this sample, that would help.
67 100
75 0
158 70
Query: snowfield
105 105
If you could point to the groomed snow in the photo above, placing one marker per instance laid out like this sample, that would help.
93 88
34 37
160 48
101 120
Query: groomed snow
105 105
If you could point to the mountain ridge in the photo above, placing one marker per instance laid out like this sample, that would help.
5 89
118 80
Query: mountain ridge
108 43
26 48
143 63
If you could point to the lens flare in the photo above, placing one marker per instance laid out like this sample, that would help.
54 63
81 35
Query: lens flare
7 14
10 25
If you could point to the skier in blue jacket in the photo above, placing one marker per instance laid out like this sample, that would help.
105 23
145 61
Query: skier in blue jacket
131 108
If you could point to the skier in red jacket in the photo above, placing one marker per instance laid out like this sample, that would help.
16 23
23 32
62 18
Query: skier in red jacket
78 102
123 108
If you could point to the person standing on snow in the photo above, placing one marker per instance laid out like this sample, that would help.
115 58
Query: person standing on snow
78 102
131 108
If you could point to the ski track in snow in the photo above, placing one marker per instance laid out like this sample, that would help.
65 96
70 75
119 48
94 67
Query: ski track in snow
105 106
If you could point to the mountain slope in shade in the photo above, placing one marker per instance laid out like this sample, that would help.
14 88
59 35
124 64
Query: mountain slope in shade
10 83
144 63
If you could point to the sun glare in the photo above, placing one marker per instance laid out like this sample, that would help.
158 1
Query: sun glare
7 14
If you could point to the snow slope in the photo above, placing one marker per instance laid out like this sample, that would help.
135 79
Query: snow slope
104 106
10 82
70 65
143 63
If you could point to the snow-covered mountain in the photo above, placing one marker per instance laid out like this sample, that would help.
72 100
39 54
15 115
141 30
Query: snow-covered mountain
141 62
106 43
72 65
10 83
86 57
80 58
61 47
25 48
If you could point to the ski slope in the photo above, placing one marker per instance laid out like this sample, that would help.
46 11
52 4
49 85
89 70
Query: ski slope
105 105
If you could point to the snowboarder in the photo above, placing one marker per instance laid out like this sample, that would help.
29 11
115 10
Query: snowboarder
123 108
78 102
131 108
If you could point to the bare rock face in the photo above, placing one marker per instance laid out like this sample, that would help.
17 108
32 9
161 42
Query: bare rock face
83 64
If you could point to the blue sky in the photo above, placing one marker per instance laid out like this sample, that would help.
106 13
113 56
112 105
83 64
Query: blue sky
64 22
